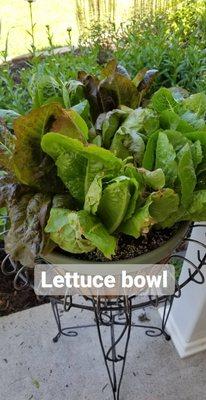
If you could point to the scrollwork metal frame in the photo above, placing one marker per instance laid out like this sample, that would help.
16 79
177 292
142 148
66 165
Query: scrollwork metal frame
115 314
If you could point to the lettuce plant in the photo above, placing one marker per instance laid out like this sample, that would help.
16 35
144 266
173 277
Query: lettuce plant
113 162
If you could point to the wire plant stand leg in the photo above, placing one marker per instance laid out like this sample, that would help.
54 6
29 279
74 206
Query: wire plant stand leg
111 357
61 331
166 313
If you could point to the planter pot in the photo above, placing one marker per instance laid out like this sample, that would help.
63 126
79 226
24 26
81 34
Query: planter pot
156 256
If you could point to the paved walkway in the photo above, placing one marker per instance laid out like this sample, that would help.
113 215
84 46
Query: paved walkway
32 367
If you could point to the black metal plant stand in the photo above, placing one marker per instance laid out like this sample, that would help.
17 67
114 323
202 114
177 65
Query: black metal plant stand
117 315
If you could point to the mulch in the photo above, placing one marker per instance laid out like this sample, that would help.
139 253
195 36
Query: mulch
12 300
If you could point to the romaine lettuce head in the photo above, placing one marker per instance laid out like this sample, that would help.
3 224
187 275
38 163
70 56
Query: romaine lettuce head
157 208
108 124
115 201
79 232
77 165
105 166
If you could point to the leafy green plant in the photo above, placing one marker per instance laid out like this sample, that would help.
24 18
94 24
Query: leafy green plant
4 53
79 179
171 39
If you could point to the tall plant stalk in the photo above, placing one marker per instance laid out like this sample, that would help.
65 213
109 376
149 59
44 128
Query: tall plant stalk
31 33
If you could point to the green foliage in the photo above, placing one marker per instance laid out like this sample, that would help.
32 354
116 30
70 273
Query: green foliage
170 40
151 173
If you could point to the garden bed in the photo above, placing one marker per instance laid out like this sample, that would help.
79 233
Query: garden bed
11 300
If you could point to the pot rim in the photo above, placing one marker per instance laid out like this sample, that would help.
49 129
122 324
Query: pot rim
155 256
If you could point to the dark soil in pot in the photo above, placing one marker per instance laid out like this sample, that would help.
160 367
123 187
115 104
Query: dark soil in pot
129 247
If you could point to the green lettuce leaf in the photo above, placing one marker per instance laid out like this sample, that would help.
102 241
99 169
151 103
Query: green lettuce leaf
177 139
186 175
44 90
71 168
135 192
197 154
164 203
79 232
164 100
170 120
154 179
83 109
197 209
140 223
95 231
127 143
142 120
193 120
65 230
77 165
178 93
149 158
109 125
114 202
196 103
195 212
166 159
158 207
93 195
198 135
75 91
201 175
